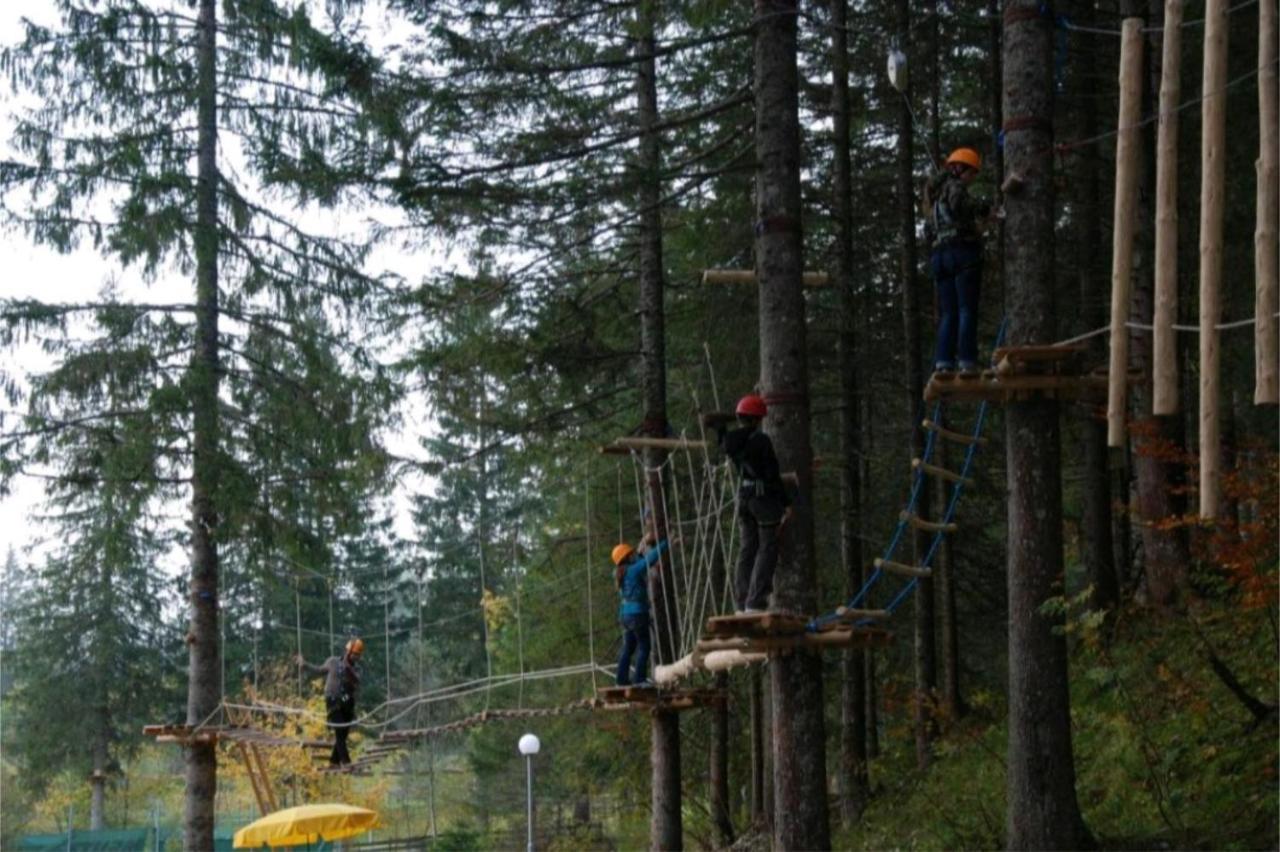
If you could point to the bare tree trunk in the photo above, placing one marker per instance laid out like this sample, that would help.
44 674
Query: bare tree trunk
1042 809
993 277
1095 523
721 809
1165 551
666 829
853 732
926 674
203 684
799 735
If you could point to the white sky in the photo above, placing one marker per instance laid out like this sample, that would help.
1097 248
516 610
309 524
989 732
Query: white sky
31 271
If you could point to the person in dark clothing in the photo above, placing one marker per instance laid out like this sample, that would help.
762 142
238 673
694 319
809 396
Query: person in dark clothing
956 262
342 680
632 579
763 501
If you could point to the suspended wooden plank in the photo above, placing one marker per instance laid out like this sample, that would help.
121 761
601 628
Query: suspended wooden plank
928 526
1000 388
1266 235
1128 148
939 472
748 276
904 570
956 437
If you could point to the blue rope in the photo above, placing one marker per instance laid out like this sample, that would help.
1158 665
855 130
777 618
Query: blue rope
916 488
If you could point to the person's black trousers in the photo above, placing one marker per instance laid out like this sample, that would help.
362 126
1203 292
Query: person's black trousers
340 715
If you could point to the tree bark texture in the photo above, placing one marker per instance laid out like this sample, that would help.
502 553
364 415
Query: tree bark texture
1095 523
1042 809
721 804
926 674
853 736
666 829
204 653
759 811
799 736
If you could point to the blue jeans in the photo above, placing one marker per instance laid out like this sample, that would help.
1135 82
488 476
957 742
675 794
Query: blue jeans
635 634
957 273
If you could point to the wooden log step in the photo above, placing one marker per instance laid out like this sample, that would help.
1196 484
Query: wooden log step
845 613
940 472
636 442
756 624
928 526
957 437
904 570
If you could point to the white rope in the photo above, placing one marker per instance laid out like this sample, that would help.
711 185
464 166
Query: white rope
1140 326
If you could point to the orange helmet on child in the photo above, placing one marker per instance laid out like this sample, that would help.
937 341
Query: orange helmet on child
355 647
751 405
966 157
621 552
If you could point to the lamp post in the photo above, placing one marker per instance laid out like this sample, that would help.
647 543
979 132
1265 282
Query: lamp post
529 746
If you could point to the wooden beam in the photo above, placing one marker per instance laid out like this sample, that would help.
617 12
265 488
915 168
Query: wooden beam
1038 352
635 442
891 567
1164 352
928 526
748 276
1128 148
957 437
1212 183
847 614
1266 235
940 472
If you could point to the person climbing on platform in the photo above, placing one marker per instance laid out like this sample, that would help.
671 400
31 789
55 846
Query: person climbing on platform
342 680
632 579
763 501
955 220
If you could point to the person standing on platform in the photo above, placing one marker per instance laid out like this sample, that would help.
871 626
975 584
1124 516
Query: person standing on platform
342 680
954 219
632 579
763 501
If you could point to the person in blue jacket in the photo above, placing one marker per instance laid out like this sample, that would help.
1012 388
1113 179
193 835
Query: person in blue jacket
632 579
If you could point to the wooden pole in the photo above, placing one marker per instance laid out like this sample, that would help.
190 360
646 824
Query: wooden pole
1212 180
1266 339
1164 351
748 276
1127 149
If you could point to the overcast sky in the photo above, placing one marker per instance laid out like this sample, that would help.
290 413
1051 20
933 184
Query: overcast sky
31 271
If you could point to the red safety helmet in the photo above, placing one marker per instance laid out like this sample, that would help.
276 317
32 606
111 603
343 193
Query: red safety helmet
751 405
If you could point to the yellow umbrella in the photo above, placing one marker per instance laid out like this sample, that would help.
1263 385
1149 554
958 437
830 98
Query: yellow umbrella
306 824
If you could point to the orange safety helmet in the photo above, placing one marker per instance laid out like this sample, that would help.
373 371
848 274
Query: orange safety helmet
967 157
355 647
751 405
621 552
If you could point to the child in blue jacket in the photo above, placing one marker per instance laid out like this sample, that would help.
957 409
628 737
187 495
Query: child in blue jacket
632 579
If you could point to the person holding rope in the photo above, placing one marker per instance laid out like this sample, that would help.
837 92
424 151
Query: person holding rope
342 680
764 503
631 575
954 218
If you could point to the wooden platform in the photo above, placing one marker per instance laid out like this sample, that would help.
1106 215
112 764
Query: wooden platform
183 734
1023 372
756 624
653 698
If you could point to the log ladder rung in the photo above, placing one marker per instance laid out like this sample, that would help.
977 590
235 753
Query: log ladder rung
958 437
928 526
940 472
904 570
848 614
